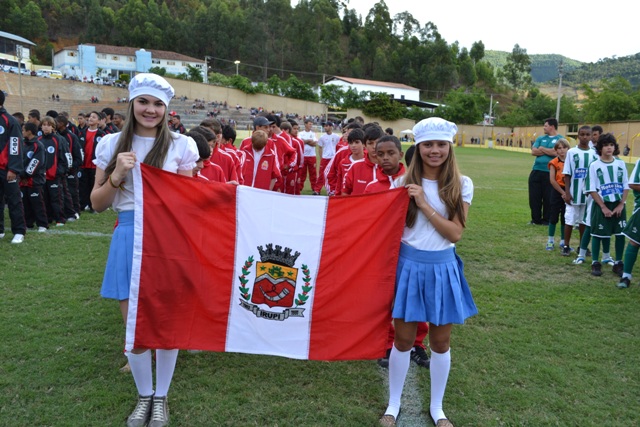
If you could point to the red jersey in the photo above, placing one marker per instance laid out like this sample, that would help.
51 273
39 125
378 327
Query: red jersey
361 173
91 139
383 181
223 159
332 174
267 167
212 172
287 156
237 156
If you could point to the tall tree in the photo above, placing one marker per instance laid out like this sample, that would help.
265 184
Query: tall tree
517 70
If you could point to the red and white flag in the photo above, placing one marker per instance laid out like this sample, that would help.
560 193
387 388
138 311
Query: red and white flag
220 267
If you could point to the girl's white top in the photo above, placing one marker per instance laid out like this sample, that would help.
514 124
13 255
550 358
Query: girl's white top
423 235
182 156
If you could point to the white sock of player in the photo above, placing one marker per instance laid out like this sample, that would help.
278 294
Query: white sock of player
141 371
165 365
398 368
550 240
606 255
582 253
562 243
439 369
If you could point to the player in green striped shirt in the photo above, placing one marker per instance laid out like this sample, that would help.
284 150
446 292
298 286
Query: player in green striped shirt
608 184
632 230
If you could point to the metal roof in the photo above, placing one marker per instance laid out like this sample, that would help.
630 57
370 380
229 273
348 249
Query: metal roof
16 38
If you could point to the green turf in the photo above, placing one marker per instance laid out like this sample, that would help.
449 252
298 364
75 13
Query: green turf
552 345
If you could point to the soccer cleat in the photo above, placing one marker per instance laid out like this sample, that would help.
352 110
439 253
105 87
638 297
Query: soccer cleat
624 283
160 412
384 362
77 215
608 261
618 268
596 269
140 415
42 229
579 260
420 357
566 250
550 246
17 238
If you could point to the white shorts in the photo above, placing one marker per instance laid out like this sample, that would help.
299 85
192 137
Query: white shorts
574 214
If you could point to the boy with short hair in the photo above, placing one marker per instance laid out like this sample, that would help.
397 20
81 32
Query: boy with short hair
261 168
632 230
56 165
607 183
362 172
575 170
557 197
32 179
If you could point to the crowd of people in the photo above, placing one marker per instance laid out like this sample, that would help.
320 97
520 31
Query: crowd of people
586 187
64 170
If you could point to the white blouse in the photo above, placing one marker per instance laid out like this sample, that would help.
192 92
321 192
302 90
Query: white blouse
423 235
182 156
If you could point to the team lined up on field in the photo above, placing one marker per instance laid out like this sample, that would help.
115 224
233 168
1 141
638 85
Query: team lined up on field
590 188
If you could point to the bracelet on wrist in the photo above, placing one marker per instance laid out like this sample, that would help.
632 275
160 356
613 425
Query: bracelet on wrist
121 186
432 214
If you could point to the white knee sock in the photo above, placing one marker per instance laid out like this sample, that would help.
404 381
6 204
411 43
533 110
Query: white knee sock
141 371
165 365
440 366
398 367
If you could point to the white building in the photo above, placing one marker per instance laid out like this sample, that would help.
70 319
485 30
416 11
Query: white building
15 49
398 90
86 60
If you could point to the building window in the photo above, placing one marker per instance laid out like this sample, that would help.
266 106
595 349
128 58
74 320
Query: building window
114 58
155 61
199 66
131 59
171 63
71 53
101 56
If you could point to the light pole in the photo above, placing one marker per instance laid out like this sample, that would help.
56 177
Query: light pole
237 63
484 122
19 55
559 92
206 69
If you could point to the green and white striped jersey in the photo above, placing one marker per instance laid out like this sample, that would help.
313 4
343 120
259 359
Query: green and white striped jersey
635 179
576 164
608 179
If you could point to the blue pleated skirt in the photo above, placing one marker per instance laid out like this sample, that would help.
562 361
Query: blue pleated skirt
431 287
117 274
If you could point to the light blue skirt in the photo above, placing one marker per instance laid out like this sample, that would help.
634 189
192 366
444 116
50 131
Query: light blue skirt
117 274
431 287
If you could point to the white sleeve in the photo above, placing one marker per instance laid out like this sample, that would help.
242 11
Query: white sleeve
467 189
189 156
104 150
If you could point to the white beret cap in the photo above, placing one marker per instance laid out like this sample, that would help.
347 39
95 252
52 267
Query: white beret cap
434 129
151 84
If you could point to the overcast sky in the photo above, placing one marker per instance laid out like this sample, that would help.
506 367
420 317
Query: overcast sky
581 30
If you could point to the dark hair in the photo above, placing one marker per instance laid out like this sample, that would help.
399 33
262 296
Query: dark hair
408 156
62 119
552 122
353 125
31 127
176 116
355 135
35 114
108 111
293 122
52 113
1 97
18 115
309 121
372 133
585 127
122 116
607 139
204 151
273 118
390 138
389 131
597 128
229 133
204 131
213 124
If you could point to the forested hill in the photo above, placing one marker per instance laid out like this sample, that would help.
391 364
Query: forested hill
544 68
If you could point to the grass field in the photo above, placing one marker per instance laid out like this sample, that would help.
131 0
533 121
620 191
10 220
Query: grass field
552 345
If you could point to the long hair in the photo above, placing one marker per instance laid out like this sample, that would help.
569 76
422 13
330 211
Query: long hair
449 186
158 153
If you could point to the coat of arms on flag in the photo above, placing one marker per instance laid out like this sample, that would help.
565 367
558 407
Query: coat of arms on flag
275 284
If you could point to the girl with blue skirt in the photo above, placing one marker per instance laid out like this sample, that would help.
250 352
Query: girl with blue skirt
430 283
145 137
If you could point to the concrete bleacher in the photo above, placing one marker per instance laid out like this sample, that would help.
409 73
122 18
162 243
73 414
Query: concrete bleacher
75 97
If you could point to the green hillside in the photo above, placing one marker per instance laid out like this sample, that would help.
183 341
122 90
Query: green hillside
543 67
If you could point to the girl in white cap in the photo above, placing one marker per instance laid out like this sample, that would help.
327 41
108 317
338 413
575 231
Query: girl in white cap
430 284
145 138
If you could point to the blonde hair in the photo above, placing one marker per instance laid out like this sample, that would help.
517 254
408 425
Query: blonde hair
158 153
562 143
449 186
259 136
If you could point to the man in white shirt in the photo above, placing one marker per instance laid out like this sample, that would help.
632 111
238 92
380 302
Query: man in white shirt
327 144
308 136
